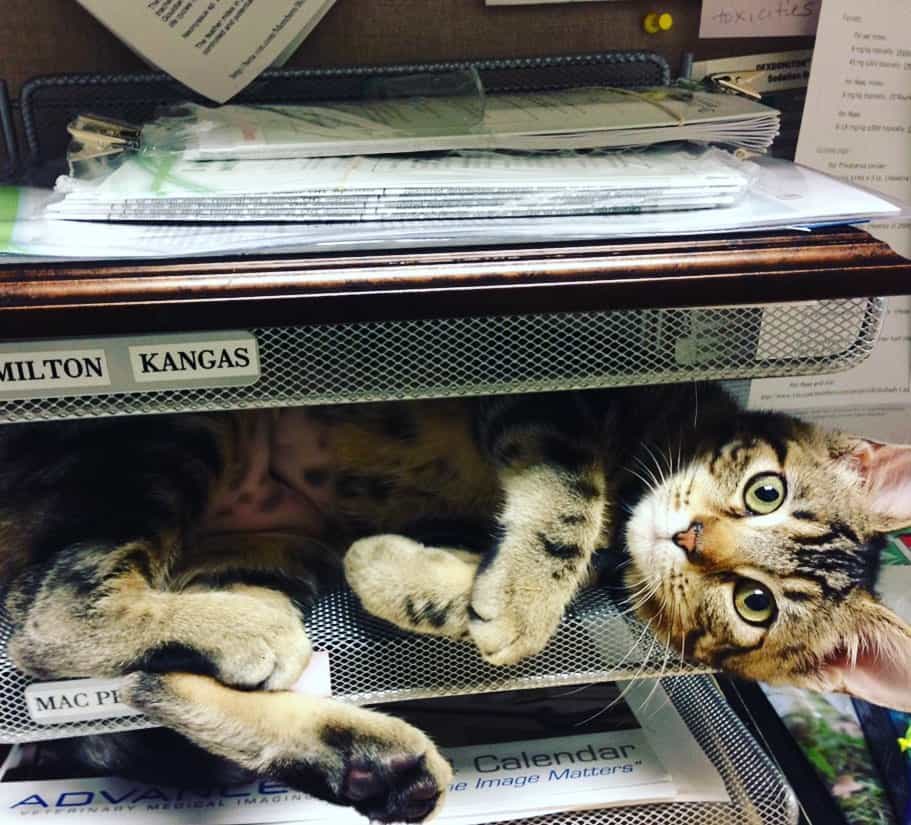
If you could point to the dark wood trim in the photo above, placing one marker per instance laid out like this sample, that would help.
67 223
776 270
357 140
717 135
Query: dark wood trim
103 298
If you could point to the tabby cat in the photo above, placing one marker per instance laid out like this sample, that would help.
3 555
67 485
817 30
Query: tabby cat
180 550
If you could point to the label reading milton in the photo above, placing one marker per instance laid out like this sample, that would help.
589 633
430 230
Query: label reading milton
194 361
53 369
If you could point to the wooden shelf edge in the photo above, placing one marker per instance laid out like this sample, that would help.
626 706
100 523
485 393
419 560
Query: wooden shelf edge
105 298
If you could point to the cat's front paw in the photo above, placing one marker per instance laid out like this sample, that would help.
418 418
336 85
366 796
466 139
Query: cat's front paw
417 588
511 619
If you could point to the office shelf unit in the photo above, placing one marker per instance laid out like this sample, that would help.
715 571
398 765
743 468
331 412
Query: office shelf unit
374 325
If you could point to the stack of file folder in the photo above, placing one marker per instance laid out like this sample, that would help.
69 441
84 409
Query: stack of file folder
154 186
584 118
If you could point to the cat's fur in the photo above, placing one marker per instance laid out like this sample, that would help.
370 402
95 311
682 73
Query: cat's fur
178 549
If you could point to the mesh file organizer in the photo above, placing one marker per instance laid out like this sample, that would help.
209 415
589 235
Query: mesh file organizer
479 355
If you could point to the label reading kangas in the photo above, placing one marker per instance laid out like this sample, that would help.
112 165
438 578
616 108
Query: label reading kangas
194 360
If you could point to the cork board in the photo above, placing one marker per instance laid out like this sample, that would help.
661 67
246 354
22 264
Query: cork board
50 36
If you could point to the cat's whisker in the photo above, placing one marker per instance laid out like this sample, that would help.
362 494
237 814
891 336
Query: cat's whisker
657 463
644 664
661 671
572 691
669 693
633 647
651 484
629 683
635 607
640 587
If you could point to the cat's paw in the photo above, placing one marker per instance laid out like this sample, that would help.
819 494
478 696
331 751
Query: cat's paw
383 767
251 638
510 618
389 779
417 588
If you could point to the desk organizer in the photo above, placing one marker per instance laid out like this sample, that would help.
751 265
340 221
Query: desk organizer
481 355
759 794
374 663
371 662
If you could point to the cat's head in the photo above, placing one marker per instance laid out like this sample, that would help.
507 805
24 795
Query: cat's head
760 546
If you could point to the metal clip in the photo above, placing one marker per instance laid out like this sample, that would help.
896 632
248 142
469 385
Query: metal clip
738 83
98 144
96 136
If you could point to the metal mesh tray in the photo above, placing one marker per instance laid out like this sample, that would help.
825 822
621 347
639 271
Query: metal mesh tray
481 355
759 793
372 662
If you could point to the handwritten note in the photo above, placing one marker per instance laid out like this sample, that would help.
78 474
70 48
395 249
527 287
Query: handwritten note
759 18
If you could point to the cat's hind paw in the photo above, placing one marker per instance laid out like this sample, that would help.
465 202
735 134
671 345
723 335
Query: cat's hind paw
381 766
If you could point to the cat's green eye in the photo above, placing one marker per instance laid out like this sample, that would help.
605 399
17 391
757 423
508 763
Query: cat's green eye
764 493
754 603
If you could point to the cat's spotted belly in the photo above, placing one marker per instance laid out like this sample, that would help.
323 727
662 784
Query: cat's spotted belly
281 476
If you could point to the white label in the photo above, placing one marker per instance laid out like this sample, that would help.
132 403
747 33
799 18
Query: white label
52 703
53 369
80 700
194 360
316 680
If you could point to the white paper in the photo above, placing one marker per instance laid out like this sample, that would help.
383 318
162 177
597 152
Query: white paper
857 125
857 120
758 18
784 196
659 761
562 119
882 380
215 47
481 184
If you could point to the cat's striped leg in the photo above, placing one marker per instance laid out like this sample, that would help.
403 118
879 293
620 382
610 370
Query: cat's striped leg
383 767
96 610
417 588
552 520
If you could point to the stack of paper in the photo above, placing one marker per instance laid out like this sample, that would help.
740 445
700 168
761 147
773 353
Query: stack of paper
784 195
584 118
156 187
514 756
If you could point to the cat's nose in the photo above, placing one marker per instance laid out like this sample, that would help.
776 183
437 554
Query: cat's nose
688 540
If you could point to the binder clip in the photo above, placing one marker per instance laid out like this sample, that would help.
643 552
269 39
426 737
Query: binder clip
98 144
736 83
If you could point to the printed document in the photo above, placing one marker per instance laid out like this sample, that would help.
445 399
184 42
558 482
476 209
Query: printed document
857 125
216 47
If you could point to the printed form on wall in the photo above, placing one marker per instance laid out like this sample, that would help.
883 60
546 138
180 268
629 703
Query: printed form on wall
857 126
215 47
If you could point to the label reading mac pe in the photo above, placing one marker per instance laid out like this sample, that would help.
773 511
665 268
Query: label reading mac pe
192 361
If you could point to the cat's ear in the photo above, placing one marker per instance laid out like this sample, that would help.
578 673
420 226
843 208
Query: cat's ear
874 661
885 475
